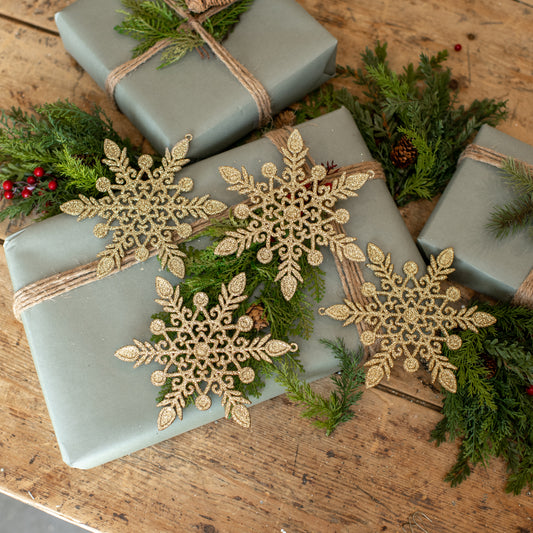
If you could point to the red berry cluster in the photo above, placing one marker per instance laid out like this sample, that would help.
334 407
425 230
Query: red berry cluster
31 185
529 390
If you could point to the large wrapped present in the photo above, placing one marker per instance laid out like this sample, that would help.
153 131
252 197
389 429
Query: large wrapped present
277 41
101 408
501 268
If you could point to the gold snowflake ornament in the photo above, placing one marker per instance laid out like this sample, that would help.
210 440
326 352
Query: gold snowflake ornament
292 214
410 317
203 351
143 208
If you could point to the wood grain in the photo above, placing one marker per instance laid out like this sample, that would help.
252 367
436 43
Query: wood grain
283 475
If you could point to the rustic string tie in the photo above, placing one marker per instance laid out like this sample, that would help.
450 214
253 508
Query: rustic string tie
254 87
524 294
63 282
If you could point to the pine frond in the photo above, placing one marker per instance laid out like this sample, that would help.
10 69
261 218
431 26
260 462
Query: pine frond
150 21
516 215
491 414
327 413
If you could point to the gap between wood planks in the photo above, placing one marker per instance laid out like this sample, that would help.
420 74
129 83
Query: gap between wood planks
28 25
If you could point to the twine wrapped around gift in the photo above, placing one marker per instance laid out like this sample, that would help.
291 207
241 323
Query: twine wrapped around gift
524 293
239 71
63 282
199 6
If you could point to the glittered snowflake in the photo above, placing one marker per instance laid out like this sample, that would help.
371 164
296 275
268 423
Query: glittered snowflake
143 208
203 351
292 214
410 317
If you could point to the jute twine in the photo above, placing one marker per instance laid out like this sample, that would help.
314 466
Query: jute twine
524 293
241 73
63 282
199 6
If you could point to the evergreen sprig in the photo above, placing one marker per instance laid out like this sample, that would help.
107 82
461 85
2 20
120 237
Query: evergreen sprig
491 413
206 272
66 141
417 103
150 21
327 413
517 214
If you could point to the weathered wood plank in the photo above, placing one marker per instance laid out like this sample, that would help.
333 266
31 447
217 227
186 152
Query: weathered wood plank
34 12
495 61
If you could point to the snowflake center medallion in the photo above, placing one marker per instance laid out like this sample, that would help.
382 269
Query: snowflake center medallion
144 206
143 209
198 363
201 350
291 214
410 317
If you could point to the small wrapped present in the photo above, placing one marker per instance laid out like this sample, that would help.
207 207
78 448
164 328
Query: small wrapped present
276 41
101 407
501 268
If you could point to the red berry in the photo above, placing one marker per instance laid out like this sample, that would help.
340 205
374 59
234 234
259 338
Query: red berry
8 195
529 390
38 172
7 185
457 47
26 193
31 180
52 185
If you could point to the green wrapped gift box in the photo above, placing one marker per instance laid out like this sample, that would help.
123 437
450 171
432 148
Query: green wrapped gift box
496 267
103 408
276 40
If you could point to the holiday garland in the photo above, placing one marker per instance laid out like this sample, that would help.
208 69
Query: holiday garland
492 410
410 121
517 214
153 21
51 155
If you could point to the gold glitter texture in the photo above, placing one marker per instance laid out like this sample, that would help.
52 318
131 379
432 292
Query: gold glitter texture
143 209
292 214
203 351
410 317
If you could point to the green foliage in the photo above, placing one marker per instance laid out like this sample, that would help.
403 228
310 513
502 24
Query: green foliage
206 272
150 21
516 215
492 415
327 413
66 141
417 102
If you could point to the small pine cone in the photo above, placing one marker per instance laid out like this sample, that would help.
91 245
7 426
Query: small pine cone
490 364
404 154
285 118
257 313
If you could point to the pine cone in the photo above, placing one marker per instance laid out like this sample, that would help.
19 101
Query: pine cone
257 313
490 364
404 154
285 118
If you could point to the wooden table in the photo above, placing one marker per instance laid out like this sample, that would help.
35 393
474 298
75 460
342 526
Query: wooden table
283 476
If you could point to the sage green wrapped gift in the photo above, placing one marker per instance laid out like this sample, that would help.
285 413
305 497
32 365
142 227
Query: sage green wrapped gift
276 40
102 408
496 267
